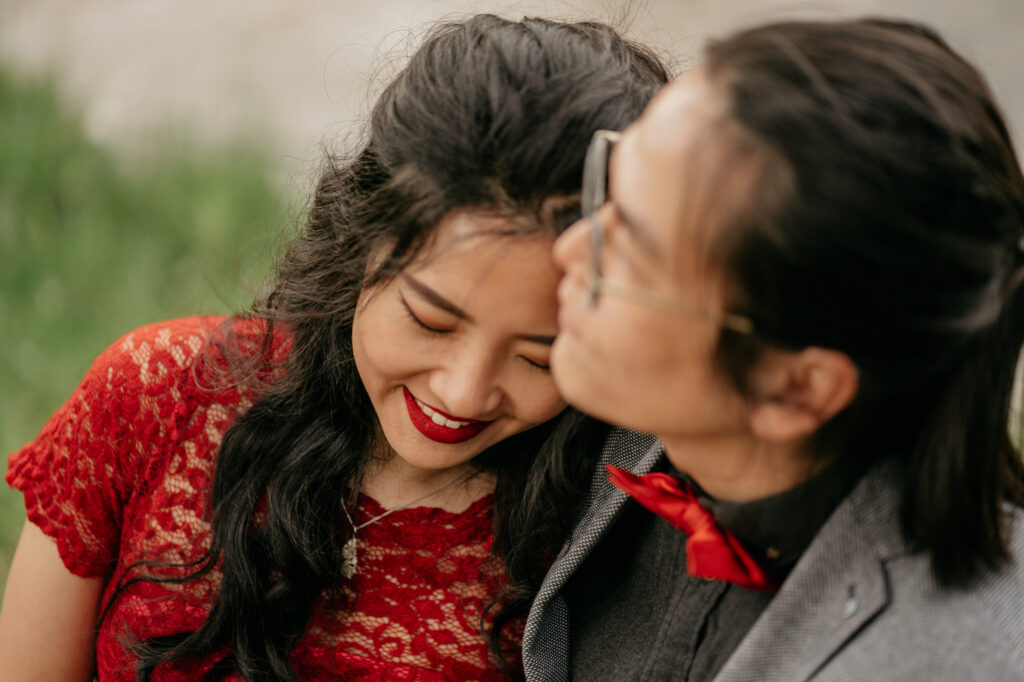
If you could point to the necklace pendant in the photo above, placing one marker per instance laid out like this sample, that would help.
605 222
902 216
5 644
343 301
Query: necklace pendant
348 558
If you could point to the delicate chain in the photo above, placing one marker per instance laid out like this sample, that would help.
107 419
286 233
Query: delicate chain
349 558
375 519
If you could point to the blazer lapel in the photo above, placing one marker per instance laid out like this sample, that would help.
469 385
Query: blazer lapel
545 636
838 585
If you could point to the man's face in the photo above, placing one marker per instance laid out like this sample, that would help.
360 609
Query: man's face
634 365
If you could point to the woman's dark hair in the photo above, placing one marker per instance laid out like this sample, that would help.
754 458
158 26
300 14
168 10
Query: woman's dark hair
491 116
889 227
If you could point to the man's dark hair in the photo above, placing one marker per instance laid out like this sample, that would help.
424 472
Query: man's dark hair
890 230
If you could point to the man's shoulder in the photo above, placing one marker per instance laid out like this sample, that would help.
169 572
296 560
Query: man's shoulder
925 623
630 450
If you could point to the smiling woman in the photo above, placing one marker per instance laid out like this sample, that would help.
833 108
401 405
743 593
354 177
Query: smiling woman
453 354
366 475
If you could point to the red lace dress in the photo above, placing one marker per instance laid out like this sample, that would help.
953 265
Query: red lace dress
121 473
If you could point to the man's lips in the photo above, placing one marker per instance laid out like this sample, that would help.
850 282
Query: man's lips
451 430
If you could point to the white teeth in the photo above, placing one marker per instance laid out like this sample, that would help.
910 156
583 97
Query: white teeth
439 418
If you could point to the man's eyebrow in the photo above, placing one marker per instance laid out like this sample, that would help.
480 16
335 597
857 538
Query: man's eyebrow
435 298
638 232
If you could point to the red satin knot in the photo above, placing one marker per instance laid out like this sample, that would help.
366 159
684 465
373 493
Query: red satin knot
711 552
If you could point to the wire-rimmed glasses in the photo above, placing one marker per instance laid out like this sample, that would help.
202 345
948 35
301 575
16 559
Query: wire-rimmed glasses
595 186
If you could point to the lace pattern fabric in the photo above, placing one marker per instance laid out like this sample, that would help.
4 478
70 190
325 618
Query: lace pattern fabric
121 474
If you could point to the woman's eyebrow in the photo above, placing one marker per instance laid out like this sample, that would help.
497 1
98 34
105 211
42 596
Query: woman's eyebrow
537 338
435 298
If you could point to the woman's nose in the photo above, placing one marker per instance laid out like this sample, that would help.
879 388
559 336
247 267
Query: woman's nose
469 385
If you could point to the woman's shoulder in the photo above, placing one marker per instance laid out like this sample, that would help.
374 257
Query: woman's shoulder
181 330
94 454
186 339
211 353
155 352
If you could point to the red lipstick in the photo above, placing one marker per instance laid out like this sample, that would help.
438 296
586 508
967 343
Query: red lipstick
439 432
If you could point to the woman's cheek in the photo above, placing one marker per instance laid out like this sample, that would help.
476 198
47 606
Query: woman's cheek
547 405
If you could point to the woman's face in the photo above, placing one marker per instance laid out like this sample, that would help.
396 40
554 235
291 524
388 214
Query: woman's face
630 363
453 352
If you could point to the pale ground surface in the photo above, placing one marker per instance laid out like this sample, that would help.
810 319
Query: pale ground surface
295 73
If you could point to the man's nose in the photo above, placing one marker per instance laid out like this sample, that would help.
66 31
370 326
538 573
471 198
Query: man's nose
572 245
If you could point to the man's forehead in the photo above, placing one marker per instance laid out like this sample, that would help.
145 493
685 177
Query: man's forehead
678 112
653 179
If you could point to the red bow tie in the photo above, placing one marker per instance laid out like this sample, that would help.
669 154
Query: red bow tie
711 552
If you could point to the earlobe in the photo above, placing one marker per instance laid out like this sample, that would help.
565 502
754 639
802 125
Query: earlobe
797 393
781 422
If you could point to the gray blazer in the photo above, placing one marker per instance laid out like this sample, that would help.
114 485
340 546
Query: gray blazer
857 606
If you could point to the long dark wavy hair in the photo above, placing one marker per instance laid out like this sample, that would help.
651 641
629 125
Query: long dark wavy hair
489 115
889 225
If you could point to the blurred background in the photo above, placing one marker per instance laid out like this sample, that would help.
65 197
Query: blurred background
155 154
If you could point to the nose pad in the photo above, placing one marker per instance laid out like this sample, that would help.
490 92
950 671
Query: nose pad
468 388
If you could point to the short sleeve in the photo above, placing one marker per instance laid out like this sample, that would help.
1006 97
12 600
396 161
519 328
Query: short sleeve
80 471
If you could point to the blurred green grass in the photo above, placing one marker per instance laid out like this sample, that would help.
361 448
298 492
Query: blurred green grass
91 247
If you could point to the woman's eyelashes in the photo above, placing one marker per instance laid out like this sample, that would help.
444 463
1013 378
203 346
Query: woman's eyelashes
435 330
419 322
544 367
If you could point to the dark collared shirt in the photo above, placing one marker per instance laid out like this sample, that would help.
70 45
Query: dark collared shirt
635 613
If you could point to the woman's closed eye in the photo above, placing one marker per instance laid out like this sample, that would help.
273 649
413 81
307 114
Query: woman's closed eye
419 321
543 366
433 328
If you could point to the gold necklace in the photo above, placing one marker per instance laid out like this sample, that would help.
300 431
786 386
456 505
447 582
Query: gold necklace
349 562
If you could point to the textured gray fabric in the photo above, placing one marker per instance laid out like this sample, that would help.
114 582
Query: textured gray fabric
609 588
857 605
776 530
546 635
636 577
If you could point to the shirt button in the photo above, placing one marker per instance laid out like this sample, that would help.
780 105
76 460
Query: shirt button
772 553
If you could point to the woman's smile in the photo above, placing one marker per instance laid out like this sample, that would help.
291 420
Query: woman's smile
453 358
437 425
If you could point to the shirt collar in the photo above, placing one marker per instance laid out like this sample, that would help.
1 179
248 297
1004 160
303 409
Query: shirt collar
776 530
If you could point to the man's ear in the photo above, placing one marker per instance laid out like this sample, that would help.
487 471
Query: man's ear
796 393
